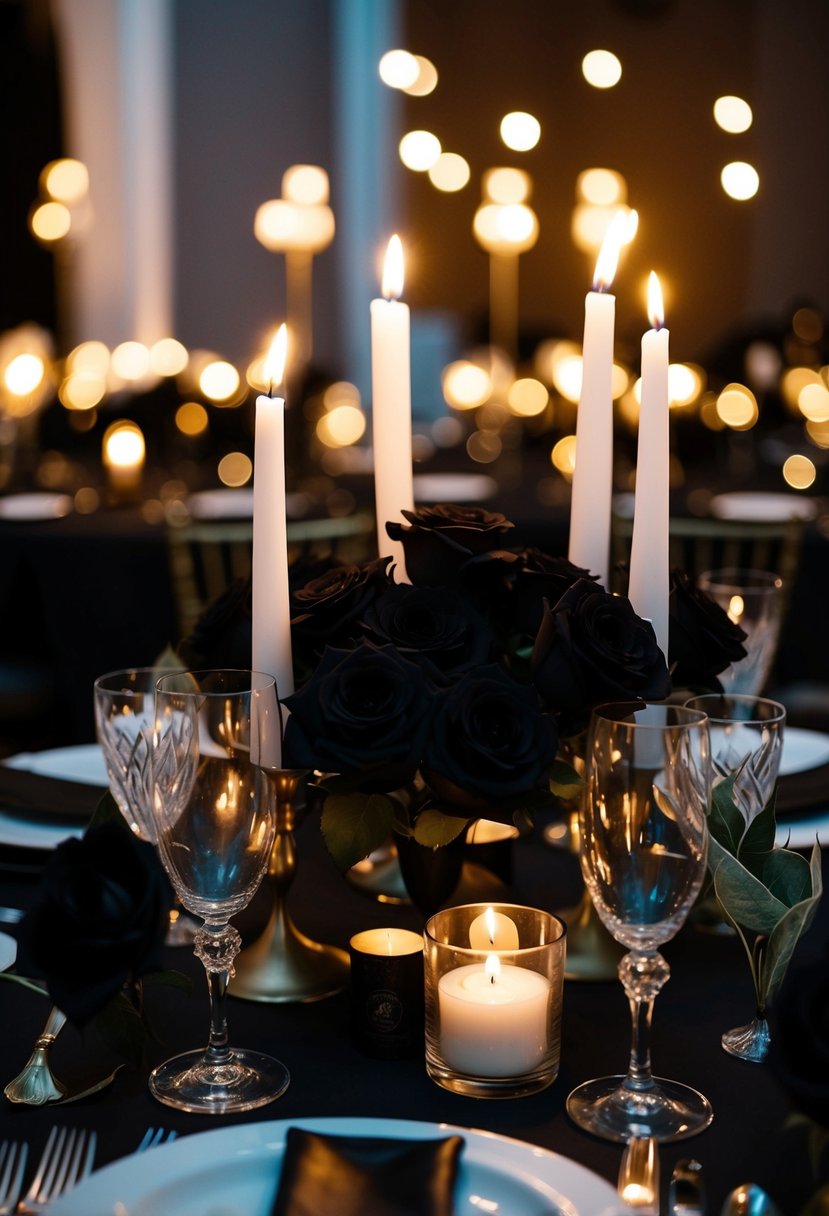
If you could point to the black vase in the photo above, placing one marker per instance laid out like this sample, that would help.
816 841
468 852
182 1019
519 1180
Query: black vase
430 875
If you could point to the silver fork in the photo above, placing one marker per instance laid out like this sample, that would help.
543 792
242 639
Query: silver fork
66 1161
153 1136
12 1164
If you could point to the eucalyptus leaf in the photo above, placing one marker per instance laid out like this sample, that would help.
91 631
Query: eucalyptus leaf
725 823
434 829
120 1026
354 825
786 875
742 895
759 836
784 938
565 782
107 808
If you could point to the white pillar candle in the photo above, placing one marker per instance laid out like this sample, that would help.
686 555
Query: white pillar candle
649 583
493 931
388 942
391 406
271 644
494 1020
590 502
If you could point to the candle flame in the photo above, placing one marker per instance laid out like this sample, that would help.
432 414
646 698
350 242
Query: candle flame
620 231
656 307
489 920
274 369
492 967
393 269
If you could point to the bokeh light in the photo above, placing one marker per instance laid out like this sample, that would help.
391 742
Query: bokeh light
65 181
130 361
465 385
419 150
341 426
733 114
305 184
740 180
168 357
426 81
506 185
563 455
799 472
219 381
91 356
737 407
602 69
813 400
23 374
527 397
398 69
792 383
520 131
450 172
123 445
83 389
50 222
601 187
235 469
505 228
191 418
484 446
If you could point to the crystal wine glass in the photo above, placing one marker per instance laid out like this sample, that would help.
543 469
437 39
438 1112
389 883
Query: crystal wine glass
124 726
214 806
643 856
754 600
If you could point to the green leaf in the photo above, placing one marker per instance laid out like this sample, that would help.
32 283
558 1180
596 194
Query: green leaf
793 925
565 782
168 979
759 837
786 875
119 1025
434 829
354 825
742 896
725 823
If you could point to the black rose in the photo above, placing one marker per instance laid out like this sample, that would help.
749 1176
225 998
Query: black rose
489 743
432 624
439 540
222 635
800 1043
592 647
702 638
364 711
326 610
99 919
541 577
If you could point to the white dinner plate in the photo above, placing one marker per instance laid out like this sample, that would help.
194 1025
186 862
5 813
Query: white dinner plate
83 763
35 506
233 1171
8 951
453 487
757 505
802 750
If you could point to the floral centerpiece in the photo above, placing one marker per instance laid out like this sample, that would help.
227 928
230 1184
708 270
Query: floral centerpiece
458 695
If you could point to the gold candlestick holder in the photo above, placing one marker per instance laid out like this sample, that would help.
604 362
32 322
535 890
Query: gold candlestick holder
283 964
37 1084
592 953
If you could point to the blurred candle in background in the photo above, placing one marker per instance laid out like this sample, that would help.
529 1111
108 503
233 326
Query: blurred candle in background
391 407
123 451
271 648
590 504
649 584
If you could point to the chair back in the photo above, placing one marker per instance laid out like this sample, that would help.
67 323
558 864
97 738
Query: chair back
205 558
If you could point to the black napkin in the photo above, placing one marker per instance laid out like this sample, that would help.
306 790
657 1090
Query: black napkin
357 1176
35 797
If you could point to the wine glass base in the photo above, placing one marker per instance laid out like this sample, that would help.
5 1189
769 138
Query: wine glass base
668 1111
250 1079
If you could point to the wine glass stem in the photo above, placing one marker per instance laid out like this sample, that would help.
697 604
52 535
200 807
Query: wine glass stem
642 973
217 947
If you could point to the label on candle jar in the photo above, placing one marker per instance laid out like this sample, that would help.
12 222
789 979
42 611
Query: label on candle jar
494 1025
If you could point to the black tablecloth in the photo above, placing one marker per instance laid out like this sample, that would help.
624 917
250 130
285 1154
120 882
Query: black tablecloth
709 992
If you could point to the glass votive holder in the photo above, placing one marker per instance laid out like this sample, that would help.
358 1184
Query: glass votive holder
494 976
386 992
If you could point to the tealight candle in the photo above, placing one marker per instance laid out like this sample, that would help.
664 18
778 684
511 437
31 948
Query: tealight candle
493 931
493 1016
494 1019
387 992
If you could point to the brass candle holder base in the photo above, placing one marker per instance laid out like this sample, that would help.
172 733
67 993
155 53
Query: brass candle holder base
592 954
283 964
